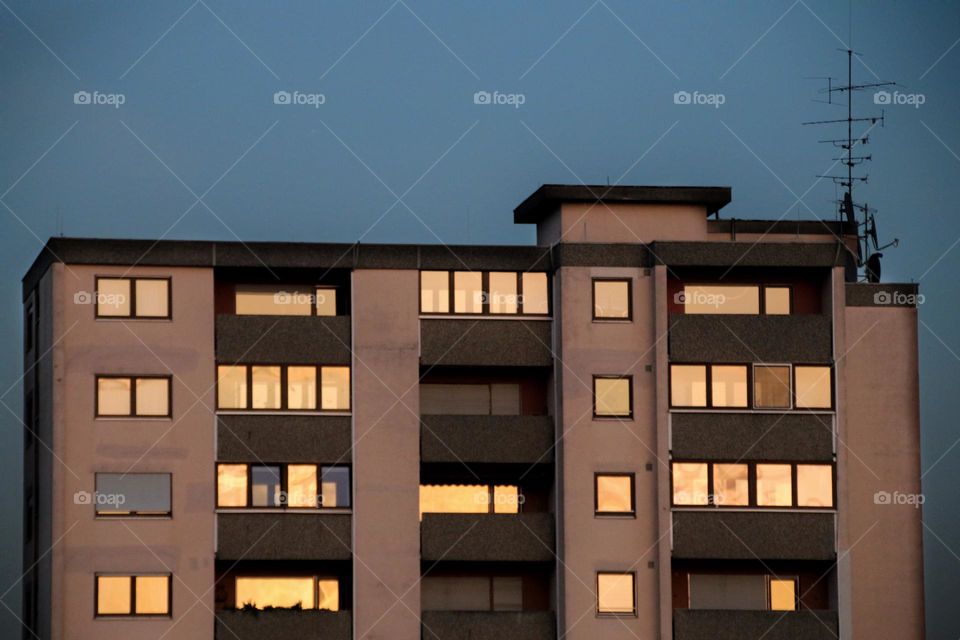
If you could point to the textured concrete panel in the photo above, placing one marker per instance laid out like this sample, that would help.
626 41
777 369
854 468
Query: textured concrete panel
484 342
749 254
489 625
748 535
282 625
283 536
503 439
601 255
283 339
736 338
886 294
753 436
707 624
484 537
287 438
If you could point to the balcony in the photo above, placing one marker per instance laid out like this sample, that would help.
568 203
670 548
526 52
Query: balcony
291 438
485 342
748 535
489 625
799 437
523 537
286 339
691 624
282 624
743 338
283 536
486 439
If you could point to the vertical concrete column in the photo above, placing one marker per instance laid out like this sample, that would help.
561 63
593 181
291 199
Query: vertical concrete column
386 455
664 514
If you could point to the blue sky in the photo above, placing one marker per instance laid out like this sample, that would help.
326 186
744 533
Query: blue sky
398 151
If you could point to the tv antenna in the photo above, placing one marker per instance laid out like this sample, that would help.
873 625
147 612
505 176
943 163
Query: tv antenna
868 252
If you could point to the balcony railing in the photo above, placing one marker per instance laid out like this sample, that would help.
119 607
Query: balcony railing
280 624
485 342
286 339
747 338
708 624
487 537
747 535
482 439
493 625
283 535
761 436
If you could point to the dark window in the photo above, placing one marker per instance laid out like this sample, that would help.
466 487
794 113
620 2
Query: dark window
132 494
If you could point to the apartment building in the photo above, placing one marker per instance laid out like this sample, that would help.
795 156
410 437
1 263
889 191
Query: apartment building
653 423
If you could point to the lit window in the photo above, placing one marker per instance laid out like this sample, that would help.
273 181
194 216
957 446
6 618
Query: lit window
231 485
152 298
783 594
721 299
301 387
281 593
690 483
132 297
133 396
611 299
468 292
616 593
774 485
335 392
503 292
688 385
335 487
266 387
145 595
813 387
132 494
506 499
302 486
271 300
326 301
612 397
434 292
114 298
232 387
614 494
776 301
728 385
535 299
450 498
771 386
265 486
815 485
328 594
731 485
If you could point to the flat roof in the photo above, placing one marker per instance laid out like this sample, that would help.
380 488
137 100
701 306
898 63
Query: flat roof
545 200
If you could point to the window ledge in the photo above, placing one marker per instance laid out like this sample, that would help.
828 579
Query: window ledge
284 510
133 418
476 316
675 509
824 412
270 412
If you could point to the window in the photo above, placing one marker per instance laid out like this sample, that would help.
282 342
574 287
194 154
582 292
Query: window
612 299
470 399
614 494
783 593
613 396
478 498
132 494
752 484
720 299
616 593
132 298
133 595
731 591
133 396
776 301
813 387
471 593
273 486
771 386
307 592
728 386
484 293
283 387
270 300
688 385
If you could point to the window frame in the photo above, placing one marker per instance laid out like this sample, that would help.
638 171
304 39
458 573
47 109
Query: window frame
616 614
612 376
593 299
314 293
633 494
133 514
833 390
761 296
797 601
284 486
485 291
284 391
133 297
133 594
752 485
132 377
751 380
315 577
